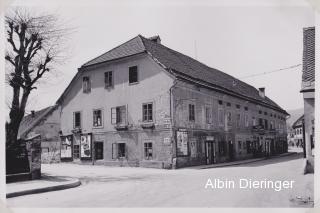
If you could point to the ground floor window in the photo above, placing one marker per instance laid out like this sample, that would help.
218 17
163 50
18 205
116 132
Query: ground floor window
118 150
249 146
148 151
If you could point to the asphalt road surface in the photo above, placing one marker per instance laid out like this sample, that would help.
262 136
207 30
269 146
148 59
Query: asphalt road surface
141 187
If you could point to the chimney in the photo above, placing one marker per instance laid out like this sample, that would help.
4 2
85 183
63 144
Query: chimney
155 39
262 92
32 113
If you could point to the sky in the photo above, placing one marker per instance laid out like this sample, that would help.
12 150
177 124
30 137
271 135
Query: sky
241 38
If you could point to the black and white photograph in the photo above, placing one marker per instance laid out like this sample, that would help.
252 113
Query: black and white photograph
159 104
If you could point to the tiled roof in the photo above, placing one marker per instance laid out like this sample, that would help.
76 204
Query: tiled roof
29 121
308 72
298 122
183 65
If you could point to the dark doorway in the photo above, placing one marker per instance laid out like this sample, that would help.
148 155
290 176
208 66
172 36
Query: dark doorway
210 152
231 155
98 150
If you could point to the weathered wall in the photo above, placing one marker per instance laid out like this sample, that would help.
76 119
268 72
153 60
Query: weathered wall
154 84
224 132
49 128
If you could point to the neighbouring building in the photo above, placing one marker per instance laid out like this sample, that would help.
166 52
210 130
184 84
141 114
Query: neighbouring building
307 87
144 104
297 128
46 123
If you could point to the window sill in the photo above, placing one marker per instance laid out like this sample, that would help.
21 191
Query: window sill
133 83
97 127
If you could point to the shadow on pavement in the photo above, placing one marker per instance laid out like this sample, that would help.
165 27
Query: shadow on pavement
270 161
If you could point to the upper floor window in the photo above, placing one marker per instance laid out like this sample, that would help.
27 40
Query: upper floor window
77 120
265 123
261 124
208 115
271 125
97 118
220 102
86 85
133 74
147 112
221 116
246 120
118 115
229 118
191 112
108 79
254 122
238 120
228 104
238 106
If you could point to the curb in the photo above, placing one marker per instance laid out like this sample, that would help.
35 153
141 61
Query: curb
73 184
253 160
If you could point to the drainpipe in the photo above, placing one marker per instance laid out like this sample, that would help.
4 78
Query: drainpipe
304 139
173 160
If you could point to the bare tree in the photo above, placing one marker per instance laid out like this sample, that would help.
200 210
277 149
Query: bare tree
33 49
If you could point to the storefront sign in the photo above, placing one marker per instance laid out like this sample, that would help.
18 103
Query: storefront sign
182 143
85 141
66 146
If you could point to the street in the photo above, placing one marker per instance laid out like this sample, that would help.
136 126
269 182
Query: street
141 187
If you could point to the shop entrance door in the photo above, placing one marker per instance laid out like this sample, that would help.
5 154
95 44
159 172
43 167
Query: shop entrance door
210 152
76 147
98 150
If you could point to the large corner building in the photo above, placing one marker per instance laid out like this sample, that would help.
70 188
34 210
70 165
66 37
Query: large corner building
144 104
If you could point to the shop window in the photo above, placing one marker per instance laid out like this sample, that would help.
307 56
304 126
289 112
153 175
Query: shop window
76 120
118 115
147 112
86 85
97 118
148 151
118 150
133 74
191 112
108 79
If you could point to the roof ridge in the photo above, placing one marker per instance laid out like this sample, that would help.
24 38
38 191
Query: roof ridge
211 69
111 50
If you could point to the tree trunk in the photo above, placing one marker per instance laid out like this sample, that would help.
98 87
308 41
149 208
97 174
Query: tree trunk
16 116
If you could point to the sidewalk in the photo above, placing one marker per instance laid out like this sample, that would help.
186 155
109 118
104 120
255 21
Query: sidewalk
239 162
45 184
